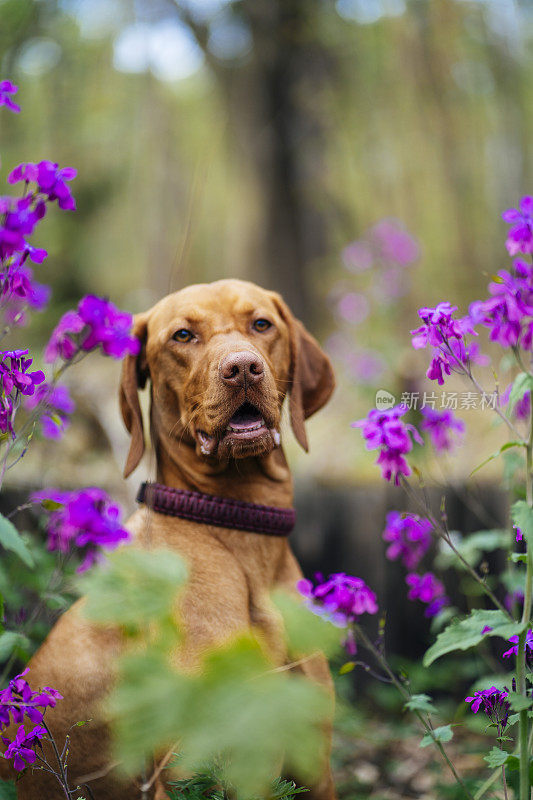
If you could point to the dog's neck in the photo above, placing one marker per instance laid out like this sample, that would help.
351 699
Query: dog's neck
265 480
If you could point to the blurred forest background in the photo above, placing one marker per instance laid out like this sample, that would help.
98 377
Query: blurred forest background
354 155
261 139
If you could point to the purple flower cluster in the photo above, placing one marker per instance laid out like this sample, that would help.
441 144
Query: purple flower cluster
14 381
386 430
17 701
57 403
21 748
50 179
446 336
520 235
409 536
341 599
45 182
96 323
86 519
428 589
495 705
508 313
7 89
387 243
440 425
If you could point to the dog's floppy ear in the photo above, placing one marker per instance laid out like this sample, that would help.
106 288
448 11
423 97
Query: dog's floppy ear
311 378
134 376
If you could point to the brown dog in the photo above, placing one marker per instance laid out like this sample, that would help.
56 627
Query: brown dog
220 357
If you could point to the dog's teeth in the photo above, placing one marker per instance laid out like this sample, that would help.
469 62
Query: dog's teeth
276 438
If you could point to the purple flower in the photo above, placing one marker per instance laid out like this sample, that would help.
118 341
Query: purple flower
23 172
18 700
20 216
341 599
6 90
357 256
20 749
394 243
86 519
446 336
514 641
61 343
520 234
508 312
108 327
385 429
14 381
19 291
353 307
439 425
52 181
428 589
55 400
495 705
101 324
522 409
512 598
409 536
14 375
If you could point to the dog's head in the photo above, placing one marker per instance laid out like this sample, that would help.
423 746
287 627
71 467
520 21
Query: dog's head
221 357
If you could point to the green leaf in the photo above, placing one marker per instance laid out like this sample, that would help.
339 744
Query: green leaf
134 587
7 790
420 702
472 547
522 517
518 702
259 716
442 734
10 641
10 539
55 601
522 383
348 667
518 558
461 635
306 632
502 449
512 462
496 758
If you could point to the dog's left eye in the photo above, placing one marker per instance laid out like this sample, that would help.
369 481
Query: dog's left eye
183 335
261 325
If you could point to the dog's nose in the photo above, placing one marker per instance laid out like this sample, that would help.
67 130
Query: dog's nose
241 368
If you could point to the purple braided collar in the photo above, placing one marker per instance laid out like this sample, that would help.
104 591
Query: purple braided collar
221 511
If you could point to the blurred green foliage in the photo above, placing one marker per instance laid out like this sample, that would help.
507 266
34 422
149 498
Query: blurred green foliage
236 707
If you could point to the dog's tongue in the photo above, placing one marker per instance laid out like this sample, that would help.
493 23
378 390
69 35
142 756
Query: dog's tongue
245 418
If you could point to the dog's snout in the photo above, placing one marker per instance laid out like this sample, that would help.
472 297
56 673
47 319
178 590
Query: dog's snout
241 368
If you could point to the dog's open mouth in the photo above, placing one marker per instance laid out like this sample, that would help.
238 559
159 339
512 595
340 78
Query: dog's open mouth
246 425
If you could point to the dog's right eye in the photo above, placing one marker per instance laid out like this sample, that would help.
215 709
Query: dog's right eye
183 335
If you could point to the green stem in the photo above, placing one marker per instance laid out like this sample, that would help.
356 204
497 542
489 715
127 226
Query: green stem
523 722
443 533
407 695
61 776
